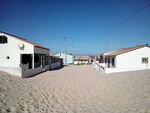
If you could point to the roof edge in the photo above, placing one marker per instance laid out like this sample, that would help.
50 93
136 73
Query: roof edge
23 39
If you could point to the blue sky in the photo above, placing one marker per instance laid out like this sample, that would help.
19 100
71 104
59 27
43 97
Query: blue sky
87 24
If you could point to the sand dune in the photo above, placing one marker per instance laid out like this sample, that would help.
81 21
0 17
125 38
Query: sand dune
76 89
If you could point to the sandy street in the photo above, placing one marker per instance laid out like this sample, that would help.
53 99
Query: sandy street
76 89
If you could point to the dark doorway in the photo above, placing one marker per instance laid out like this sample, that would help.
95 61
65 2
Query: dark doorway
37 60
108 63
113 62
27 59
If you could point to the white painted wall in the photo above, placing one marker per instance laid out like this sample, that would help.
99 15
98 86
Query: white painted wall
12 70
12 50
133 59
100 67
70 58
114 70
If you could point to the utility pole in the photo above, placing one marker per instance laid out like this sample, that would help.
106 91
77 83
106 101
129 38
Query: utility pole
65 39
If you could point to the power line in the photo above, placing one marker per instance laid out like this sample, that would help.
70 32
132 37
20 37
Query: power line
46 39
127 19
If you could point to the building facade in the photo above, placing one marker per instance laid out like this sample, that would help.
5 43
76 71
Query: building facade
126 59
21 57
81 60
67 58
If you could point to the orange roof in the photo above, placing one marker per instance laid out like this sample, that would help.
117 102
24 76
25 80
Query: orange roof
92 57
124 50
82 57
23 39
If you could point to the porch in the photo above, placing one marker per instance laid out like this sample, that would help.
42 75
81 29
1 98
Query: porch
32 64
106 64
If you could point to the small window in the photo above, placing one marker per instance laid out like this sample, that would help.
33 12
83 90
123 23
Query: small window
3 39
145 60
8 57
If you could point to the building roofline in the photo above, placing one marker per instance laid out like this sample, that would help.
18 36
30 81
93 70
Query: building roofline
124 50
23 39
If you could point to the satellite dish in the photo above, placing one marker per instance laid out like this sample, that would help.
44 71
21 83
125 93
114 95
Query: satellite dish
21 46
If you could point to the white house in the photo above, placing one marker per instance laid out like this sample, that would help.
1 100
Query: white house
80 60
21 57
125 59
67 58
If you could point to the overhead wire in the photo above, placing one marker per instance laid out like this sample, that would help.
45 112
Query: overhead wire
127 19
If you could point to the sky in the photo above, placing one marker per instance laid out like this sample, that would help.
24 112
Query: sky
90 26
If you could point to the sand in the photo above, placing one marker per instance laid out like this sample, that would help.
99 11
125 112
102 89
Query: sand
76 89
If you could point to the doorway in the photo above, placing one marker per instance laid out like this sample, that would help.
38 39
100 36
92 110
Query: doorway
26 59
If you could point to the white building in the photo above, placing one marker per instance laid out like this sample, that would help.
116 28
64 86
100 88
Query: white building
80 60
69 58
21 57
125 59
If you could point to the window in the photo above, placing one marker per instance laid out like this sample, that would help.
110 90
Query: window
105 60
8 57
3 39
145 60
113 62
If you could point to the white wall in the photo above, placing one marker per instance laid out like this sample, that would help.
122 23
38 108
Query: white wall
12 50
133 59
100 67
31 72
12 70
70 58
114 70
24 73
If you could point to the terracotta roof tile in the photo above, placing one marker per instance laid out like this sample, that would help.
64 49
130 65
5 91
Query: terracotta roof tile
82 57
124 50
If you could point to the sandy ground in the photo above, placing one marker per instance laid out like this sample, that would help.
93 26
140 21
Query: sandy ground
76 89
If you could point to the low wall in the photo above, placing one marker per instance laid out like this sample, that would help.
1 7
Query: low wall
47 67
114 70
103 70
12 70
55 65
24 73
31 72
100 67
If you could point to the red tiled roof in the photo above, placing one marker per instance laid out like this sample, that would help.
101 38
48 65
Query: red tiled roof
92 57
23 39
82 57
124 50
